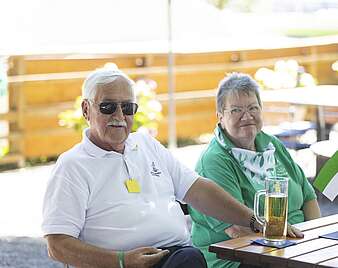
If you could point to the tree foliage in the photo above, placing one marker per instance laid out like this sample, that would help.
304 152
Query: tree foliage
220 4
285 74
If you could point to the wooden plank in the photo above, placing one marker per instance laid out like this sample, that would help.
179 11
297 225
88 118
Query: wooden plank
50 144
324 74
281 256
178 69
10 116
12 158
76 62
49 109
189 95
232 244
242 249
312 258
320 222
227 256
326 225
329 263
51 92
204 57
19 144
185 114
14 136
69 62
308 236
252 253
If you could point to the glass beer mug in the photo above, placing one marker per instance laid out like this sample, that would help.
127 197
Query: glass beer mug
275 209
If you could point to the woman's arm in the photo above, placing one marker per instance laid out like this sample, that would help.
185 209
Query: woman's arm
311 210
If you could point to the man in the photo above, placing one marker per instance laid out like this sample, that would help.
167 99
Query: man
111 200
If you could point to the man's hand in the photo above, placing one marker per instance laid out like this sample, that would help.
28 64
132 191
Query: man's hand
143 257
236 231
294 232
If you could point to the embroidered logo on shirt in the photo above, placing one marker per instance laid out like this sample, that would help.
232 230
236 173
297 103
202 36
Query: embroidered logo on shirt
155 171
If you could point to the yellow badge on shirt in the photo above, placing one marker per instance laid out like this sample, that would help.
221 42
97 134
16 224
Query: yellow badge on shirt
132 186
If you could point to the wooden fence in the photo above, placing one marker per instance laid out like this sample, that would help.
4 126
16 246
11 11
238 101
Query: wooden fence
42 86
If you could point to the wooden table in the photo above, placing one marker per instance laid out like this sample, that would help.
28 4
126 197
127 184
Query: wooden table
318 96
310 251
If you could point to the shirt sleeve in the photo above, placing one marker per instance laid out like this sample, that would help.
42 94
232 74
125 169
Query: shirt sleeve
182 176
307 189
65 203
217 169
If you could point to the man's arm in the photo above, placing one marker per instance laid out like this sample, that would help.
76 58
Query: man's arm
210 199
207 197
70 250
235 231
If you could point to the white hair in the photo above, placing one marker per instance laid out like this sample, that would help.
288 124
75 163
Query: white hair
108 74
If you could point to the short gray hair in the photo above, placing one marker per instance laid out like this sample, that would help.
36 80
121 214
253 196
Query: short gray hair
102 76
236 83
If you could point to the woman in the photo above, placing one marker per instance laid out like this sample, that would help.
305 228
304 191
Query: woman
239 158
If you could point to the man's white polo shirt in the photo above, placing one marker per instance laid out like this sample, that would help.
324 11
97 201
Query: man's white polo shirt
87 198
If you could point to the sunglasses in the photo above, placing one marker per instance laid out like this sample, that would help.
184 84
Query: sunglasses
128 108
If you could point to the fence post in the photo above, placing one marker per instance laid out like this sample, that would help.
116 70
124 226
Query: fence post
4 143
16 98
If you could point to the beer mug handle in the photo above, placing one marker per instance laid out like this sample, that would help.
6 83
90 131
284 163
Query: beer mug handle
260 219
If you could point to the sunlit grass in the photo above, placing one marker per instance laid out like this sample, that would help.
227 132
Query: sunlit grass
305 32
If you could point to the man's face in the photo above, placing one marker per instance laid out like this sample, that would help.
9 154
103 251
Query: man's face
109 131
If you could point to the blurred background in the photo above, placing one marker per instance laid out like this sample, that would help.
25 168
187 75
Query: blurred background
177 51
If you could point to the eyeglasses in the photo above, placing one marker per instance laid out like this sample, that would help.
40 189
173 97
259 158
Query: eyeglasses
239 111
109 107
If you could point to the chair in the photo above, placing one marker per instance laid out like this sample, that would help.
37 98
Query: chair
290 132
185 210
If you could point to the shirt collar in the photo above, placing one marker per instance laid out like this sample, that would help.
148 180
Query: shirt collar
98 152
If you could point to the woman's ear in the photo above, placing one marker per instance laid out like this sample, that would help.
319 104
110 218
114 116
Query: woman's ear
220 118
85 109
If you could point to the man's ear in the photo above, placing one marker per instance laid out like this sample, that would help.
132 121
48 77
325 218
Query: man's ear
85 109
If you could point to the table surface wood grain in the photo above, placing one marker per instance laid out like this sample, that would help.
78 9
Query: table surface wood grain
310 251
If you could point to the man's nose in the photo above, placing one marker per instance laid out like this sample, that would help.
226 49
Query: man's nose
118 113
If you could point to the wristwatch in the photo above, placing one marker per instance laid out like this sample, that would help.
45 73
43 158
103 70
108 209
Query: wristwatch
252 224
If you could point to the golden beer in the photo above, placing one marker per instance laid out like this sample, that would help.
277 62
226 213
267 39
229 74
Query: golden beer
275 213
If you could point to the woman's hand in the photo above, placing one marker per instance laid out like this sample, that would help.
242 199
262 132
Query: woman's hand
294 232
143 257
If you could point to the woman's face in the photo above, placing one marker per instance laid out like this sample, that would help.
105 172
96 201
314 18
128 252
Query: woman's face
241 119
